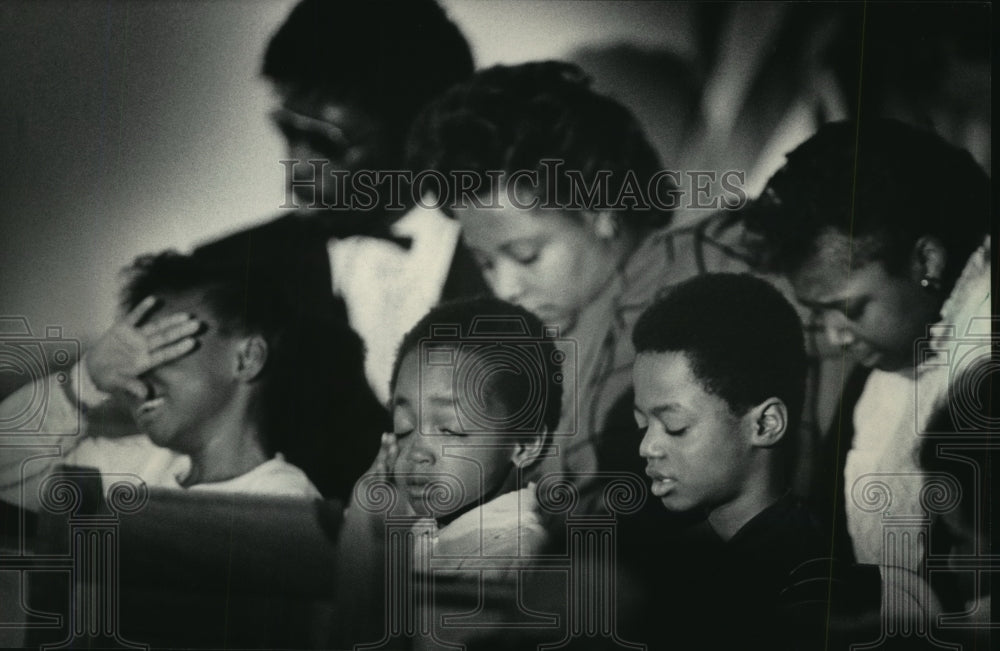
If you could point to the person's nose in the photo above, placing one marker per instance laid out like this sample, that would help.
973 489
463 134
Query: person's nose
838 330
508 283
652 444
419 452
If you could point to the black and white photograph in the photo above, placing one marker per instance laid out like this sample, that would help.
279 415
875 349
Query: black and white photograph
497 324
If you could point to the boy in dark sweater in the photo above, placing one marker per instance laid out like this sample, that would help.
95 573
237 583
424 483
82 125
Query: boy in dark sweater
719 384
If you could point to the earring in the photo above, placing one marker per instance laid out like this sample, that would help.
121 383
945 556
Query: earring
930 284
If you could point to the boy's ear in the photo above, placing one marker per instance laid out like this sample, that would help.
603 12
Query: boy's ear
770 423
250 357
527 452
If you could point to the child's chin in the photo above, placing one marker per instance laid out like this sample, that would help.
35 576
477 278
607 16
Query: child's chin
159 436
676 504
425 508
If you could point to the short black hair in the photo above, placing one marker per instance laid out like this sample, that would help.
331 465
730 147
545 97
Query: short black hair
511 118
261 305
741 337
389 57
882 183
529 385
224 289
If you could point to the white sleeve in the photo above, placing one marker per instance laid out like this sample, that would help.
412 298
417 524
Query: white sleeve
47 421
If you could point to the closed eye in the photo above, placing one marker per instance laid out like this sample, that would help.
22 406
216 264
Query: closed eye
451 432
526 259
524 251
402 426
851 309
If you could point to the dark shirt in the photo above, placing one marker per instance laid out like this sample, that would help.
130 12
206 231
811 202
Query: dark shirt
705 593
778 539
783 587
762 555
827 498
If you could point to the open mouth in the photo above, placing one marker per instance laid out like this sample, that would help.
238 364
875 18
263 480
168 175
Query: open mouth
662 484
151 404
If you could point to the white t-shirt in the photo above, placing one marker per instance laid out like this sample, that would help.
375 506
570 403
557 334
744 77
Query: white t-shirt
163 468
61 437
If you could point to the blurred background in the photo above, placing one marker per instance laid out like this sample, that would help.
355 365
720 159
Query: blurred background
130 127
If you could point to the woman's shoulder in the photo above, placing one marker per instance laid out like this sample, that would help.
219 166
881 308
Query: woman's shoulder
671 255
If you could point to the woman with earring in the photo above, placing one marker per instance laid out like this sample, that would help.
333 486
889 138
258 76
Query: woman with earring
883 231
564 203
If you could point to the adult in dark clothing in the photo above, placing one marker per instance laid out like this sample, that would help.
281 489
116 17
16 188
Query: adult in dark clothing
349 78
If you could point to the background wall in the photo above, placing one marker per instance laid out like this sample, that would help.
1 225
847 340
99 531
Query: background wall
132 127
129 127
